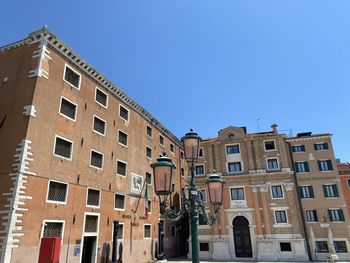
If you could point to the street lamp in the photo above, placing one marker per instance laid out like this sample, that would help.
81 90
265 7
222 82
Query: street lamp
163 171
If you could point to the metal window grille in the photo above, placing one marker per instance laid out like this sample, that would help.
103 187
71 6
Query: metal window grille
147 231
101 97
99 125
121 168
124 113
119 201
57 192
120 234
63 148
123 138
148 152
72 77
91 223
53 229
93 197
96 159
68 109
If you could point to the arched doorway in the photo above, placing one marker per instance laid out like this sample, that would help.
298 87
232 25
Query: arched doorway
241 236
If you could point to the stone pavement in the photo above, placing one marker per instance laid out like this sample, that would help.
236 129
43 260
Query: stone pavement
183 260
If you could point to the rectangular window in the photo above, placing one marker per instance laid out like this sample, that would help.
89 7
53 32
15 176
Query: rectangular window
234 167
330 190
325 165
281 217
161 140
121 168
203 246
91 224
340 246
203 196
68 109
122 138
298 148
147 234
149 131
93 197
272 164
99 125
200 169
320 146
302 167
306 191
277 191
123 113
149 178
72 77
101 97
172 148
182 172
348 183
286 247
201 153
182 155
321 247
149 206
270 145
232 149
119 202
237 194
63 148
148 152
57 192
311 216
120 233
336 215
96 159
52 229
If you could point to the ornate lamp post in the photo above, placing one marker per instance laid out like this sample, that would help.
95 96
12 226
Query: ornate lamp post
163 170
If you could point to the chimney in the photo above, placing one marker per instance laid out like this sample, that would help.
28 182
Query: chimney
274 128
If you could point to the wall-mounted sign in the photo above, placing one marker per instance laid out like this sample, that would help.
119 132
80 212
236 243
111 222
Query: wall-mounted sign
135 184
76 251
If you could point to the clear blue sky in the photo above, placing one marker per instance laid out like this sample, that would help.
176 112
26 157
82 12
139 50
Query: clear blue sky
209 64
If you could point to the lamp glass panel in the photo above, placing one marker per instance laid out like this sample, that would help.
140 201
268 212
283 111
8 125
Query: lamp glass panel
163 179
215 192
191 148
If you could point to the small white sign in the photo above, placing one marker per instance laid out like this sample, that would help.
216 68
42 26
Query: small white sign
324 225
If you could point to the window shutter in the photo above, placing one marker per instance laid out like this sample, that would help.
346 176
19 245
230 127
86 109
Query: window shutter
311 190
335 190
330 215
293 149
296 167
325 190
325 146
319 165
315 146
303 148
307 169
341 215
315 215
301 192
330 165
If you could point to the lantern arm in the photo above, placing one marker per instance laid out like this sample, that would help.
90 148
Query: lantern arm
171 214
209 219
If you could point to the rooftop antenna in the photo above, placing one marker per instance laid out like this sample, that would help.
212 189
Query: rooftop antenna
257 123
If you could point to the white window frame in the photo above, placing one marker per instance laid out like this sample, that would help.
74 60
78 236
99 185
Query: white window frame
54 147
120 105
144 231
107 99
234 172
297 145
195 169
94 234
291 247
76 109
127 138
126 168
120 223
163 140
346 242
148 126
238 187
93 122
232 144
277 198
275 218
47 193
310 222
270 140
53 221
99 199
103 159
267 164
148 147
120 209
64 74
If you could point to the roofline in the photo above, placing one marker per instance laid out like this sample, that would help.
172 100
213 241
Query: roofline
309 137
47 36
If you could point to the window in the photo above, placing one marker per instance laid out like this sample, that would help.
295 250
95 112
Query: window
234 167
68 109
298 148
122 138
272 164
302 167
182 172
203 196
171 148
93 197
311 216
91 224
120 233
121 168
161 140
306 191
119 202
325 165
285 247
340 246
149 131
57 192
320 146
182 155
52 229
147 232
281 217
200 169
72 77
237 193
96 159
277 191
63 148
101 97
232 149
321 247
99 126
330 190
336 214
348 183
270 145
149 178
123 113
201 153
149 152
203 246
149 206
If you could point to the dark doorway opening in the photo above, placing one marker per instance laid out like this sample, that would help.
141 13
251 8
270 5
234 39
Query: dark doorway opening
161 237
241 236
184 234
89 250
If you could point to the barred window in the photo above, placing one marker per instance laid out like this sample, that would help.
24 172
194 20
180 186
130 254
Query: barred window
63 148
101 97
68 109
121 168
93 197
53 229
119 201
123 138
147 231
57 192
72 77
99 125
120 233
91 224
96 159
124 113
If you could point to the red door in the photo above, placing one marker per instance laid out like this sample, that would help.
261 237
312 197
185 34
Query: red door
50 250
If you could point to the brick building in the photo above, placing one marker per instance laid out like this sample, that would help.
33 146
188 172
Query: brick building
75 154
344 172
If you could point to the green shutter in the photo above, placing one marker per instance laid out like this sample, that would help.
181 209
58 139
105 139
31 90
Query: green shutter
293 149
330 215
301 192
315 146
330 165
335 190
311 190
341 215
307 169
319 165
325 190
303 148
296 167
325 146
